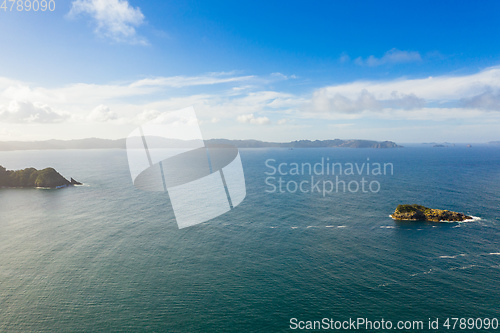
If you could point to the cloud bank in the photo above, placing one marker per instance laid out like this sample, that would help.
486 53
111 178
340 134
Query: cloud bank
230 103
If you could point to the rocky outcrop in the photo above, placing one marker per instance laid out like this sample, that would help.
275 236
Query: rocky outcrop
74 182
31 178
421 213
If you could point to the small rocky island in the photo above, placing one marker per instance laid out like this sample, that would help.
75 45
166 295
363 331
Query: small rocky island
31 178
421 213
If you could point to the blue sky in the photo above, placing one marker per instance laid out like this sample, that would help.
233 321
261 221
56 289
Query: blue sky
385 70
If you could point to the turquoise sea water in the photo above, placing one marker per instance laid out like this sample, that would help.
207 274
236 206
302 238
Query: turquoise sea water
107 257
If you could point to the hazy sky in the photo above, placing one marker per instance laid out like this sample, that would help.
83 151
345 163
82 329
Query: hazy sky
406 71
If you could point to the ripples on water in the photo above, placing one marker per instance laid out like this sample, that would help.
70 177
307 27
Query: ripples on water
106 256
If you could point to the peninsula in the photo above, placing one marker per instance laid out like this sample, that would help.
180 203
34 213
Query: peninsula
31 178
421 213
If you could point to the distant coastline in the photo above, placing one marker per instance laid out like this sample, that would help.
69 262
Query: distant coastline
94 143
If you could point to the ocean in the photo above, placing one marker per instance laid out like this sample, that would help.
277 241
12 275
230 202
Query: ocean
108 257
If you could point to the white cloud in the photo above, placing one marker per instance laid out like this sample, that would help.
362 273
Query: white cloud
114 19
223 101
251 119
102 113
324 101
486 101
28 112
404 101
283 76
279 75
467 91
186 81
327 100
147 115
393 56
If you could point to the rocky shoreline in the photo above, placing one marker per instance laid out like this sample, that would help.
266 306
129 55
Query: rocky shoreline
422 213
33 178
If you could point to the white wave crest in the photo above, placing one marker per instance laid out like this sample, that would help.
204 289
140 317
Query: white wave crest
472 219
453 257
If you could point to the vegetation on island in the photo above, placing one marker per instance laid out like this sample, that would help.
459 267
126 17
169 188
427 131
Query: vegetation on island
421 213
31 177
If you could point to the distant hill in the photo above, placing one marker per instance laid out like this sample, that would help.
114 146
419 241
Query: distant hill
307 143
494 142
94 143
